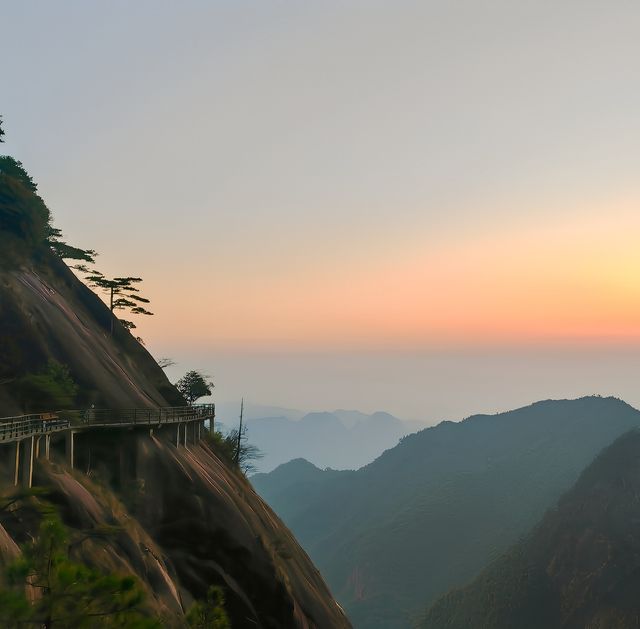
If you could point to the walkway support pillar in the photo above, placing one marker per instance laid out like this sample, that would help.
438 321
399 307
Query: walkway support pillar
27 462
16 463
69 443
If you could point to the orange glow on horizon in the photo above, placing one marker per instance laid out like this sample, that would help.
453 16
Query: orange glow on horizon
570 282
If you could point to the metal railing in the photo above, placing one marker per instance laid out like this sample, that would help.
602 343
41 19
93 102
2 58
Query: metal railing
147 416
23 426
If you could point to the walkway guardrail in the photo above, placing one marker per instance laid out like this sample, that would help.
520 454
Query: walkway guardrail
147 416
23 426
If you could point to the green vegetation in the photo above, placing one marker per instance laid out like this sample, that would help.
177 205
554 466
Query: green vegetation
222 446
194 385
209 614
429 514
244 453
66 251
123 295
578 568
26 231
25 220
226 446
45 588
53 388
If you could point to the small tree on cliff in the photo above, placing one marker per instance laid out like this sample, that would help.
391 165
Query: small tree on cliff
122 295
66 251
1 131
209 614
68 594
194 385
243 453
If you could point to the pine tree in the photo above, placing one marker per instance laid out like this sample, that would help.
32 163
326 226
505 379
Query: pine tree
209 614
122 295
68 595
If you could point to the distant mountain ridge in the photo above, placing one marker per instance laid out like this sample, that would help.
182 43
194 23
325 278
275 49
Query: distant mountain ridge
339 440
580 567
430 513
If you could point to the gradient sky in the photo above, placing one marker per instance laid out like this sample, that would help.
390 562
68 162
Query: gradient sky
309 185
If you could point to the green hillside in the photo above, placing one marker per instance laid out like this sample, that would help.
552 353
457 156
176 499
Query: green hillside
579 568
432 512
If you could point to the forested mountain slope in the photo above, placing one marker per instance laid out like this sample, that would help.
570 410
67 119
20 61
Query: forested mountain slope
432 512
580 567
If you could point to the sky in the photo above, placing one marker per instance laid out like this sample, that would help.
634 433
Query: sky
429 208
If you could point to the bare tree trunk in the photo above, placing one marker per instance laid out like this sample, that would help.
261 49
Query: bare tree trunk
111 308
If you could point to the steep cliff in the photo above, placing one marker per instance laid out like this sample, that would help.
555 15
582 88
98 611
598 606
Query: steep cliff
179 518
186 521
47 314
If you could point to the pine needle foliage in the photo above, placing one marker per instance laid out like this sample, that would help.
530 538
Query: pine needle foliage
47 589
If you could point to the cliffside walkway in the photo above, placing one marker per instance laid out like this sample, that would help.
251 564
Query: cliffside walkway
31 434
18 428
104 417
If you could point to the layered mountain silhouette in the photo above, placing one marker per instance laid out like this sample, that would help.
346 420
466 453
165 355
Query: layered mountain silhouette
429 514
580 567
340 440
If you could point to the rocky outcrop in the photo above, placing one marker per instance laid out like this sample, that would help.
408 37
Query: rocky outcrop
178 518
216 530
46 313
185 522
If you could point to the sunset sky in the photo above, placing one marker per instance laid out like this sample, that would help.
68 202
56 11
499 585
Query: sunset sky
309 185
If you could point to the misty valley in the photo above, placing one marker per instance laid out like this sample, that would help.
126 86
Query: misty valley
319 315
